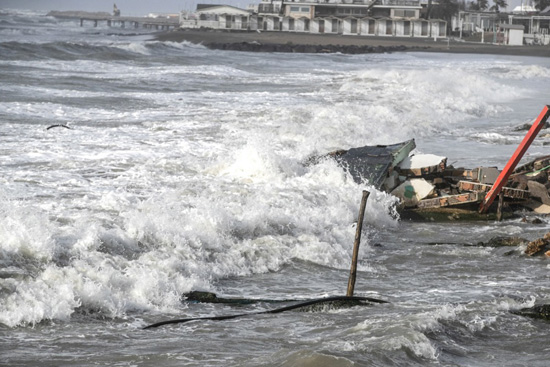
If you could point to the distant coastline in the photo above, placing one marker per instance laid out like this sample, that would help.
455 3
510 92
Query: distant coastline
314 43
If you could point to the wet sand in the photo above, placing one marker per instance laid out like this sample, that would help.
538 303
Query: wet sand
280 41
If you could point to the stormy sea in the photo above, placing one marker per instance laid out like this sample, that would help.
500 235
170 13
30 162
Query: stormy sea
175 168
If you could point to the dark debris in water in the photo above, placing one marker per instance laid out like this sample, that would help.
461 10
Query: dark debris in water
535 312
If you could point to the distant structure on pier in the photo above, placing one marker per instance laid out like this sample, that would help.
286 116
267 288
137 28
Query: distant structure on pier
116 11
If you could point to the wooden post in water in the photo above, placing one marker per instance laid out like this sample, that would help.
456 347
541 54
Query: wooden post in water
500 204
353 271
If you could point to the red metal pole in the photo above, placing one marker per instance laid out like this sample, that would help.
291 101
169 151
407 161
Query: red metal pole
516 157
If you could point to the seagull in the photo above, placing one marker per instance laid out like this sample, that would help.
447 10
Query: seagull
57 125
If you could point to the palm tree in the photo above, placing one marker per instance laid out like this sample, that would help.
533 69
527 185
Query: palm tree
480 5
498 5
483 4
541 4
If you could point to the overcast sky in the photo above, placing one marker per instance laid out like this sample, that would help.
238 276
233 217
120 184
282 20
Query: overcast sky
127 7
140 7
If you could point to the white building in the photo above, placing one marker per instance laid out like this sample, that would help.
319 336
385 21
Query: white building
391 18
513 34
217 17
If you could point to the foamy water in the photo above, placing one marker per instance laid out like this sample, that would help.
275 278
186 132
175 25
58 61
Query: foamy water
183 170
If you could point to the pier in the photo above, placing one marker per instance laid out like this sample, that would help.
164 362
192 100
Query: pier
134 22
95 18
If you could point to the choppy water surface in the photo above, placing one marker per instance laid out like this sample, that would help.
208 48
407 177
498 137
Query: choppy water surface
183 171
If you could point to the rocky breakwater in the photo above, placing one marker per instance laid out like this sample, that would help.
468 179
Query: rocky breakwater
304 48
292 42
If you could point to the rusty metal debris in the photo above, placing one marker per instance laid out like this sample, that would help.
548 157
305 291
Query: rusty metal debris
503 177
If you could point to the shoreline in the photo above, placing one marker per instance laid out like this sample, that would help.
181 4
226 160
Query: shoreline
273 41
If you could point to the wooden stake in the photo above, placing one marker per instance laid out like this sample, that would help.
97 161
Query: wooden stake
500 204
353 271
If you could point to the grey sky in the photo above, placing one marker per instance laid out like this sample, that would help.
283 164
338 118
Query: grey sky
141 7
127 7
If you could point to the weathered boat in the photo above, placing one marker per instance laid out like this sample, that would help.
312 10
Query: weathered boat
428 189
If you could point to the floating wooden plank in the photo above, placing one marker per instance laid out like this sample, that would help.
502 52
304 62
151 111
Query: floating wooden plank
514 160
509 192
470 174
540 163
451 200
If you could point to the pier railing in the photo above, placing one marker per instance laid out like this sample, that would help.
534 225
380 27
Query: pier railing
136 22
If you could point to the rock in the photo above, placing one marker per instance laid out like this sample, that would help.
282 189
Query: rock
539 191
301 48
503 241
536 312
537 207
539 245
527 126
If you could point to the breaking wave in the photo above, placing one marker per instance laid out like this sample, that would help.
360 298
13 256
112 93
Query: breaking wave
67 51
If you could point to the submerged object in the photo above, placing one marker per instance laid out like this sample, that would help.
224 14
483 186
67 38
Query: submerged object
308 306
535 312
209 297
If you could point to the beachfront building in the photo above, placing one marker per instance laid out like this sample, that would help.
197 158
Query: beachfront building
501 28
216 17
391 18
536 25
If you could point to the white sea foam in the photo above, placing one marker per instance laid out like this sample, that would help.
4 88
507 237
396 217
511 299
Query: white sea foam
201 178
135 47
526 72
494 138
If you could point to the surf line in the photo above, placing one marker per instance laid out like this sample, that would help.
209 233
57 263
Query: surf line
335 301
